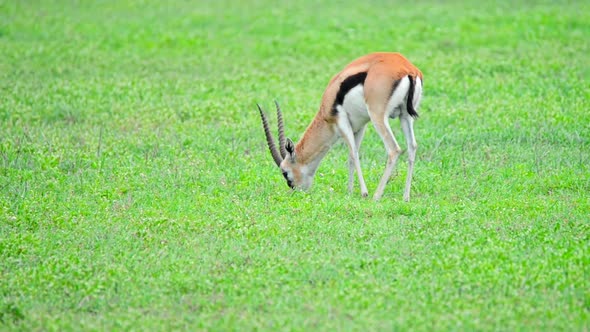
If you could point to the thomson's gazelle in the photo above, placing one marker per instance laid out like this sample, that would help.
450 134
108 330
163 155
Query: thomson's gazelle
374 88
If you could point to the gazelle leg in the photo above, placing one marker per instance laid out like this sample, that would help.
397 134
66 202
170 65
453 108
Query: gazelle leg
381 124
407 123
358 138
350 139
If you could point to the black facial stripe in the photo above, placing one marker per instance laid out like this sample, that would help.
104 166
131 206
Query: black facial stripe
348 84
289 182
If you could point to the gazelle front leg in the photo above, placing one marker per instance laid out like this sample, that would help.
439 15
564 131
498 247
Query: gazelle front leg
358 138
350 139
407 123
381 124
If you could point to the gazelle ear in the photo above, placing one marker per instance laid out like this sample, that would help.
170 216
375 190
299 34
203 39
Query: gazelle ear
289 146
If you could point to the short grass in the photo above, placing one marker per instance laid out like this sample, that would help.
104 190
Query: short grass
137 193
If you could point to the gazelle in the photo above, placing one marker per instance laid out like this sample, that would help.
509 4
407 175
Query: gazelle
374 88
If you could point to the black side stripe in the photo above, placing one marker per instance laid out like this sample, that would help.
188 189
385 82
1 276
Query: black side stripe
348 84
410 100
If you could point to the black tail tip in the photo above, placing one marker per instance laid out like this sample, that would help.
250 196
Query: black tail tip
410 101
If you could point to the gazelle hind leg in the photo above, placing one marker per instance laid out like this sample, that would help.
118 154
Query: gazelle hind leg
382 103
407 123
358 138
381 123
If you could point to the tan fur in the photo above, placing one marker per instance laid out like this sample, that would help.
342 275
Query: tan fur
383 69
316 139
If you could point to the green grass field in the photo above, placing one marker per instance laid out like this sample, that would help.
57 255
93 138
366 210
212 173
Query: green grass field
137 192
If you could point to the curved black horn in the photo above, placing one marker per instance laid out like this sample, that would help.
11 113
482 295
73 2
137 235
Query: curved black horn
271 143
282 141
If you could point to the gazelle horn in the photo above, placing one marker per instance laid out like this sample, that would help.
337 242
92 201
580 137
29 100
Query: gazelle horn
282 141
271 143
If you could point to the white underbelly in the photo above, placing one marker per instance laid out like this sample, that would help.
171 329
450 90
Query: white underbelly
355 107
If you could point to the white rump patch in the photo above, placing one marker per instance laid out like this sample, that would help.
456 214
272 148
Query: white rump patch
417 93
397 102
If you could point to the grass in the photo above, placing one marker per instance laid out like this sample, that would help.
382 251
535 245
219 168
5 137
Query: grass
137 193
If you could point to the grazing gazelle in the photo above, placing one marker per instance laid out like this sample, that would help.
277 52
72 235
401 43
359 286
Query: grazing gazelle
374 88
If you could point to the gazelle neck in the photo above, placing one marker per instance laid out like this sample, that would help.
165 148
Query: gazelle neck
315 143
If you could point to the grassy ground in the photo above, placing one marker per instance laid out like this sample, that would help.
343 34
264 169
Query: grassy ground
136 191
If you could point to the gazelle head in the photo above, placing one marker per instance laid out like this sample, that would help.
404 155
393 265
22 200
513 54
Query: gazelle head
285 156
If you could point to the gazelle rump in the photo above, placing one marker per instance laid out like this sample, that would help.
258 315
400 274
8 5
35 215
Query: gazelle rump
372 88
